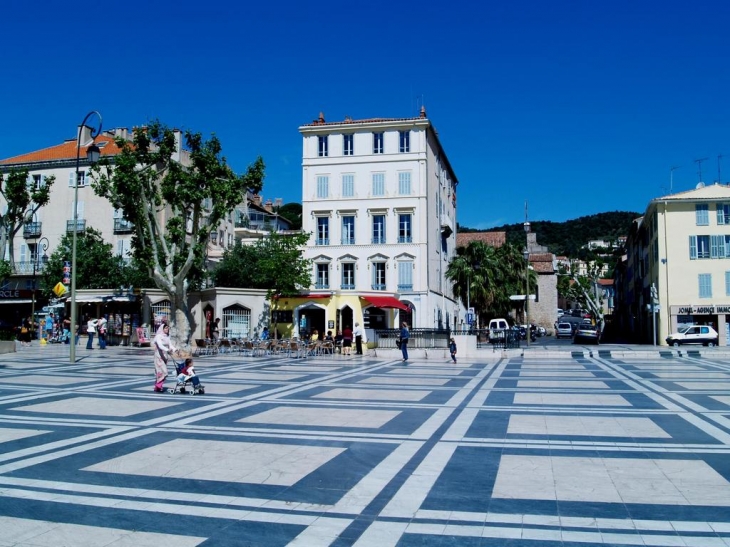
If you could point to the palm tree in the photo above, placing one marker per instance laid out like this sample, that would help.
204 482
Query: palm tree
472 272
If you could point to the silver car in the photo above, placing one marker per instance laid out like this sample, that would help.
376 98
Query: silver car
564 330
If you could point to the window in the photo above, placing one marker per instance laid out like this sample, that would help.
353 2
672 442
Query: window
236 322
323 231
348 144
348 230
378 143
323 148
72 179
404 183
323 186
404 228
699 247
718 246
404 141
727 283
702 214
323 276
161 313
378 276
39 181
348 275
348 186
723 213
405 275
705 281
378 229
378 184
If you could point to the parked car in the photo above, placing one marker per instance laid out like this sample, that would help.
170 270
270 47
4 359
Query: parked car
564 330
694 334
587 333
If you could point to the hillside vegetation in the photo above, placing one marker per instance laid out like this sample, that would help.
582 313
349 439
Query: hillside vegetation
567 238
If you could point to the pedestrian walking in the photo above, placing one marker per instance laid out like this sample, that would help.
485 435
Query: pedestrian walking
452 349
347 340
101 331
163 347
404 337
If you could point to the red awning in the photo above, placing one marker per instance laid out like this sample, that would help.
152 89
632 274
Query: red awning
385 302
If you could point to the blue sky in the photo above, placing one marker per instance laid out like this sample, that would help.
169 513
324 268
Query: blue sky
577 107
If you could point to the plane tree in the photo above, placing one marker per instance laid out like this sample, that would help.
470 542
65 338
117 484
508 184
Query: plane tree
23 195
174 199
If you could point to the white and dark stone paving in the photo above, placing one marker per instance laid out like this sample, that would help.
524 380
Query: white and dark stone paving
571 451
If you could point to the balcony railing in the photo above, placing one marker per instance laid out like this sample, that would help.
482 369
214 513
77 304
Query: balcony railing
347 240
32 230
25 267
378 240
122 226
348 286
322 241
322 285
80 226
378 286
408 287
404 239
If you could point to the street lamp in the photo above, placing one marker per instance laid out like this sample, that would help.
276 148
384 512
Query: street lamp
42 243
92 155
526 254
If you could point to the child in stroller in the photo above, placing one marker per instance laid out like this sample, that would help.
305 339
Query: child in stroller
186 376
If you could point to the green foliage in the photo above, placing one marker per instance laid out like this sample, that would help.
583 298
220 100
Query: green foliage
486 277
5 269
275 263
97 267
293 213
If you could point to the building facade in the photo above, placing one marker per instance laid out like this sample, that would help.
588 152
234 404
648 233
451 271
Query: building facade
379 199
678 252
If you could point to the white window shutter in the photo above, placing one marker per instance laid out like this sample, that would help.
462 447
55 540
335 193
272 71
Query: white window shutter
81 209
71 179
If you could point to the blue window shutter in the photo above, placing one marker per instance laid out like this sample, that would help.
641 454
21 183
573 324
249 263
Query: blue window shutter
693 247
716 242
720 214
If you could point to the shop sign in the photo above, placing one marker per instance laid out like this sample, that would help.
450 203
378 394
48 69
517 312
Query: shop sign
702 310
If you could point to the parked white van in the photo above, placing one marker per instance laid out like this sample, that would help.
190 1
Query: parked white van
497 328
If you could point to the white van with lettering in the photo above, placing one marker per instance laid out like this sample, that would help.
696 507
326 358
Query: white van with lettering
497 330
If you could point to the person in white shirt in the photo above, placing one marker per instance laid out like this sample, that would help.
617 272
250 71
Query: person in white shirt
91 331
359 334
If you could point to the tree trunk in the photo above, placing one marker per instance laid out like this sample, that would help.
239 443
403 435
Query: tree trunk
181 329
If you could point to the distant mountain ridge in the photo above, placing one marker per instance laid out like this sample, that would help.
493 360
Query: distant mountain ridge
567 238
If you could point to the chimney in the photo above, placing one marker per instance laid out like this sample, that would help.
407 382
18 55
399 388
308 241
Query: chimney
269 206
256 199
178 145
84 131
122 132
321 117
423 111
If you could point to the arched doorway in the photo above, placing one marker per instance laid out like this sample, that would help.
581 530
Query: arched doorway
345 318
309 317
406 315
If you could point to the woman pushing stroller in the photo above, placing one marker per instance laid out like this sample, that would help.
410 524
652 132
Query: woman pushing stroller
163 347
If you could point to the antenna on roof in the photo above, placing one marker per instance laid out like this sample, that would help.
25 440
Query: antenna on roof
699 167
671 176
719 178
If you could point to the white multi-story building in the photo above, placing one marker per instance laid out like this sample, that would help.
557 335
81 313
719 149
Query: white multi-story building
379 199
681 247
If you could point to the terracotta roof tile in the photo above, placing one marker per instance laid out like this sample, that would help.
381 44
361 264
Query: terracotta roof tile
493 239
64 151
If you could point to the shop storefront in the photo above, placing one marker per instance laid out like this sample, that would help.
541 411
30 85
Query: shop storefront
715 315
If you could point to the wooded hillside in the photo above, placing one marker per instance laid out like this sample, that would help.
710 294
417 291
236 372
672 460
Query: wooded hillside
567 238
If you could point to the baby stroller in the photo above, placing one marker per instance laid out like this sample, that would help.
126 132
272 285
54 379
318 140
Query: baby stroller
186 383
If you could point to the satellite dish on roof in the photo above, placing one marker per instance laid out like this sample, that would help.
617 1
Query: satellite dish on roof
700 185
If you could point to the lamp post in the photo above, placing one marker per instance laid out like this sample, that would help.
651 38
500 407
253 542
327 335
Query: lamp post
92 155
42 243
526 254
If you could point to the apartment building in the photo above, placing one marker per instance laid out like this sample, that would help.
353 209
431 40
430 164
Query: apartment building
681 248
379 199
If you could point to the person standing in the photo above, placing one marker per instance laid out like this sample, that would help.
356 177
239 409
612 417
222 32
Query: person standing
216 329
358 332
91 331
49 327
347 340
163 346
101 331
404 337
26 330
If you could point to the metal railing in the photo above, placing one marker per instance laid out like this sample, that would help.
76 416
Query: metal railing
80 226
418 338
32 229
122 226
